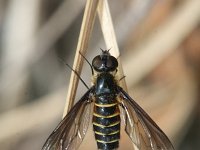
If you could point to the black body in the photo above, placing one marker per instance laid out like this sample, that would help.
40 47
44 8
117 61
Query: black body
106 115
107 96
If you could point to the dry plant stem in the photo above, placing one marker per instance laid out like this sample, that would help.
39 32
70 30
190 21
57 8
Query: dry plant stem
86 29
110 38
109 35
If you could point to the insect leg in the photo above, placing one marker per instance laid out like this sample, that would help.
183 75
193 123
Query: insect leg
121 78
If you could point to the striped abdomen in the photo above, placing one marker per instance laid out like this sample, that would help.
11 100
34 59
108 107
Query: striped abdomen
106 122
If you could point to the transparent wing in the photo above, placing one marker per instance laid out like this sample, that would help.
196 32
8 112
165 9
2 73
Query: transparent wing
70 132
142 130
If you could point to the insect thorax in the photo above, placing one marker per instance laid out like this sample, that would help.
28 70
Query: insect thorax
105 84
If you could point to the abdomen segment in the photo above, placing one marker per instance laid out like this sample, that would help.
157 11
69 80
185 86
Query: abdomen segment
106 125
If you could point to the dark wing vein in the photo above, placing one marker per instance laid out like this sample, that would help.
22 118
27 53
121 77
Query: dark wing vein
70 132
142 130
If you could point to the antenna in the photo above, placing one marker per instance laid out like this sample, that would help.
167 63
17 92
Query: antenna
74 72
87 62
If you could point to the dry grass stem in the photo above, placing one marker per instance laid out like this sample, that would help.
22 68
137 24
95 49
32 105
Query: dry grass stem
86 30
109 35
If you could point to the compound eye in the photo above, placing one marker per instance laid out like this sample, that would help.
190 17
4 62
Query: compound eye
97 63
112 63
109 63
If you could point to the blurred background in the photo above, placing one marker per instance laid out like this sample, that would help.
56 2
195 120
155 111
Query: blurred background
160 52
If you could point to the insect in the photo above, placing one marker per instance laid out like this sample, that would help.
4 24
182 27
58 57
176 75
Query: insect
107 98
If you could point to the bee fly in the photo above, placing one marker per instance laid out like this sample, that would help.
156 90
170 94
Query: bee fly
106 96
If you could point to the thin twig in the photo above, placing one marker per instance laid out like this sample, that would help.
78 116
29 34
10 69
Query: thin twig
86 29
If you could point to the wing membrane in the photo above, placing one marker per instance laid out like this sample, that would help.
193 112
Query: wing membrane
141 129
71 130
